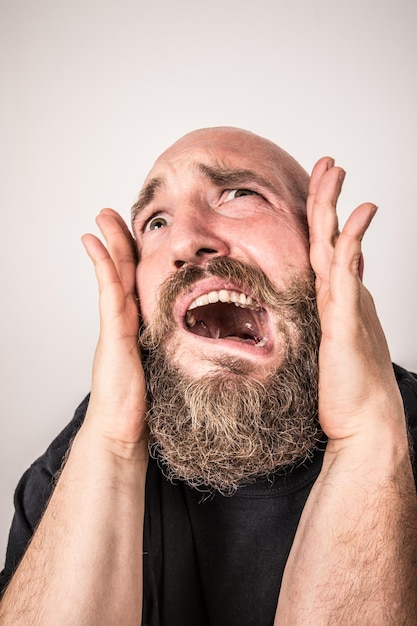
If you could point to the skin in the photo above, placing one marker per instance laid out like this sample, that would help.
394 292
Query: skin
203 220
353 558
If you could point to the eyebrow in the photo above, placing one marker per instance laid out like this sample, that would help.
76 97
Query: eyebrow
226 177
219 176
146 196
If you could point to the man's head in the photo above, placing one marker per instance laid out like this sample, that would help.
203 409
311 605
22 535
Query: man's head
224 282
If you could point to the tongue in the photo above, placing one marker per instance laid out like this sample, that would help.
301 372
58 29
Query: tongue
227 322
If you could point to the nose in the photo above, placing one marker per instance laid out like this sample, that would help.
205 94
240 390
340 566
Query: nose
195 237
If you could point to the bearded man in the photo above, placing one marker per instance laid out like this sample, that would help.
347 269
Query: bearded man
279 486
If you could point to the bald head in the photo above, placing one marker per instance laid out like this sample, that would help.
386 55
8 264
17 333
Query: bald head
250 152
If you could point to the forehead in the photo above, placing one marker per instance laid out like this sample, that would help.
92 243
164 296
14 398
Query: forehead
225 157
225 149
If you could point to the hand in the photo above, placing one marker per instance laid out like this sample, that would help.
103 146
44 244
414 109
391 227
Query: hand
357 388
118 397
354 552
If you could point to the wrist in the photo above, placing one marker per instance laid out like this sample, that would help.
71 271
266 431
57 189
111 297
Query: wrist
119 428
379 450
94 455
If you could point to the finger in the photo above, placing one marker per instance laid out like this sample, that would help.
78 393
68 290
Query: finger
120 247
347 266
105 269
322 165
323 223
114 303
123 226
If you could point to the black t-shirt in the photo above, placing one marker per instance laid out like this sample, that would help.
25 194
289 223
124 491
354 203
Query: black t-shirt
207 560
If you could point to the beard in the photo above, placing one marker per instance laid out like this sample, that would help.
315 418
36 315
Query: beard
228 428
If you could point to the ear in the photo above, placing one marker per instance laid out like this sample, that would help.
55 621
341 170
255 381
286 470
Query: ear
361 267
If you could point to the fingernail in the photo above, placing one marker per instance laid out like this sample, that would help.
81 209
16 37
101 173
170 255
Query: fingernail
330 164
342 175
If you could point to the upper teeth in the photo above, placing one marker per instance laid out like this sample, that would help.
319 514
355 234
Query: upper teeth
238 298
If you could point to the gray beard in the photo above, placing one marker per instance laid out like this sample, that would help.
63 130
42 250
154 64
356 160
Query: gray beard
228 429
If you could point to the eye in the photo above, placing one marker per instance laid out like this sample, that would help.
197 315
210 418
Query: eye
155 222
238 193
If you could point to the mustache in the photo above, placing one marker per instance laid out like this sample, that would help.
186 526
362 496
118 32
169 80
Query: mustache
230 270
285 302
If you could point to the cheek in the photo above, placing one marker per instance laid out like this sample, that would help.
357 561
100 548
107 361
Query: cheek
151 273
280 254
145 288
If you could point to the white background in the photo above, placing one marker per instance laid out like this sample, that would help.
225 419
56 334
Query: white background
93 91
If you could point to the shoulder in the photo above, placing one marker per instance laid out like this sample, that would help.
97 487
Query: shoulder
36 484
407 383
52 459
34 490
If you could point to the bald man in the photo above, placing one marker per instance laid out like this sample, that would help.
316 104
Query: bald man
244 456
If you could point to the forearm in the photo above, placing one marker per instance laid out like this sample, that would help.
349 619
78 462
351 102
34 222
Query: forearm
354 556
84 564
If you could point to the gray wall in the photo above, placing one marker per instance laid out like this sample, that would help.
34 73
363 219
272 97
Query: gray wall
93 90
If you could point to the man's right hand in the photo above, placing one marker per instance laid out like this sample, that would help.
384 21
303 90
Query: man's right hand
118 396
85 561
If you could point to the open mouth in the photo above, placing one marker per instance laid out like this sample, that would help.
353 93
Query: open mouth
227 314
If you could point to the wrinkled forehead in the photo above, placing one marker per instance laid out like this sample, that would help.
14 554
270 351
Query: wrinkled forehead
225 153
228 148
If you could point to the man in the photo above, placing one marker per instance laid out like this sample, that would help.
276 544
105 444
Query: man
250 510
